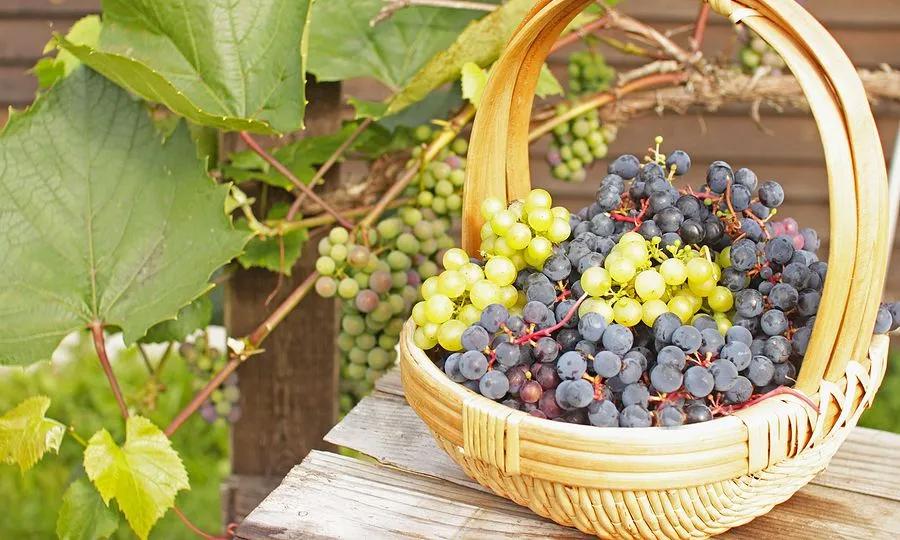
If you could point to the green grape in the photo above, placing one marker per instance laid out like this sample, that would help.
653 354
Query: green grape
673 271
483 293
326 287
649 285
347 288
450 334
651 310
353 325
438 308
325 266
357 356
344 341
380 358
338 235
499 270
596 281
720 299
398 260
338 252
627 311
365 341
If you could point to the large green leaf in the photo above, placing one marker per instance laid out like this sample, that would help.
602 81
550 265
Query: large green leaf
230 64
83 515
344 45
481 43
26 434
143 475
100 220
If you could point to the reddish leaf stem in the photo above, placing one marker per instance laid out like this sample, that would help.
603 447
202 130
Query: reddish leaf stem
195 529
255 146
700 27
100 345
580 33
329 163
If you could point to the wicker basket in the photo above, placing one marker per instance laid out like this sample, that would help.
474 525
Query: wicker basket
701 479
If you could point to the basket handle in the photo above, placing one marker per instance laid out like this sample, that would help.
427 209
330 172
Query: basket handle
498 159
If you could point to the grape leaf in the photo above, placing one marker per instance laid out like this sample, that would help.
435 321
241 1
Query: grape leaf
480 43
143 475
473 80
85 31
547 84
267 253
197 314
26 434
234 65
99 220
301 156
83 515
344 45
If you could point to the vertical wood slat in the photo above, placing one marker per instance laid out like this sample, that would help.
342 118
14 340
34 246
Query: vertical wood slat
289 392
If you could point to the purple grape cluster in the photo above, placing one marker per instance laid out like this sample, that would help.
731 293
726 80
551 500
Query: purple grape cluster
547 359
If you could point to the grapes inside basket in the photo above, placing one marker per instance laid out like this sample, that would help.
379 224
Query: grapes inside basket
653 306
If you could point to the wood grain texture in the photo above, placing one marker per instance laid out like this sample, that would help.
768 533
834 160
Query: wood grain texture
334 497
289 392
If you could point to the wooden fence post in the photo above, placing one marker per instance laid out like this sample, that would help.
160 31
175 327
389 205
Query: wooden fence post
289 392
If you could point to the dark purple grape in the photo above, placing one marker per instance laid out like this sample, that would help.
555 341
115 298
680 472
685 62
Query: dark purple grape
493 317
508 354
771 194
571 365
493 385
672 356
665 325
760 371
679 161
725 374
451 368
627 166
687 338
473 365
635 416
631 371
699 381
475 338
740 391
574 394
670 416
697 413
531 392
738 353
603 413
665 378
607 364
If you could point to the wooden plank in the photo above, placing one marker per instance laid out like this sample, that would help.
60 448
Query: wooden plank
23 39
289 392
330 496
45 8
334 497
17 86
866 463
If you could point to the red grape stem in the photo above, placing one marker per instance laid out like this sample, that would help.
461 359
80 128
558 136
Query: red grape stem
780 391
197 530
531 336
281 168
100 345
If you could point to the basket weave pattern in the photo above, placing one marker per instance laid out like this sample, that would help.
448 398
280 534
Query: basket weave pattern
702 479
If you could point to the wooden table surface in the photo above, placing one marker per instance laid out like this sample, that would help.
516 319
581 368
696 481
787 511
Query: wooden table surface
411 489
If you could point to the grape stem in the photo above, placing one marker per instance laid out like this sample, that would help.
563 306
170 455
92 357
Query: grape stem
252 342
780 391
451 130
325 167
195 529
531 336
580 33
281 168
100 346
700 27
638 220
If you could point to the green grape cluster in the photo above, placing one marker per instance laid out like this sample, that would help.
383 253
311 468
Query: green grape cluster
439 184
638 282
376 273
756 53
577 144
521 235
205 361
589 72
